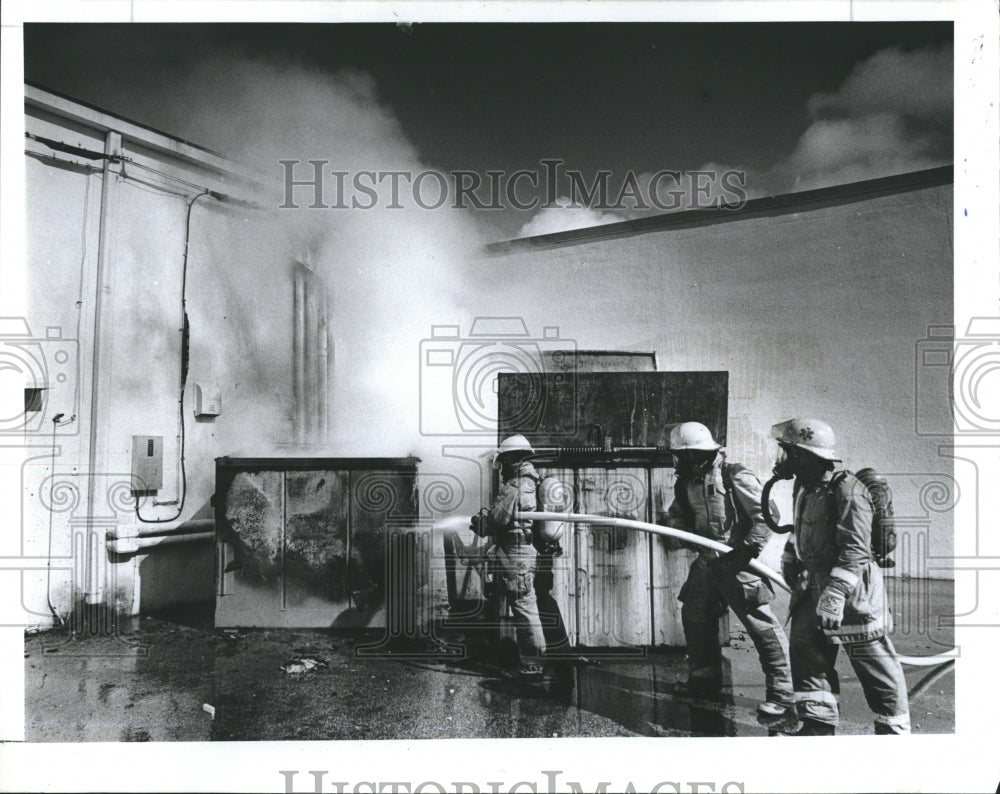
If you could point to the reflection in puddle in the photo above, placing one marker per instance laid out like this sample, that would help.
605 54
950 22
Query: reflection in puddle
642 702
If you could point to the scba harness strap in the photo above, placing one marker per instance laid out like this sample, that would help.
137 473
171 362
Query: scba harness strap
883 537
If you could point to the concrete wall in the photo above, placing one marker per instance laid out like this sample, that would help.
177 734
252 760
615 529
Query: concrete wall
814 311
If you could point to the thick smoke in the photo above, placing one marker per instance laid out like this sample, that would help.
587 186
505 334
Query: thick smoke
892 114
917 85
392 271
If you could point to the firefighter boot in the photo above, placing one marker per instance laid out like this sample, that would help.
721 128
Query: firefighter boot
814 728
774 714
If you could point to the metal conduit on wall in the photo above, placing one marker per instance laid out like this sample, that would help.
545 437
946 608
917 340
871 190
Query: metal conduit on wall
132 545
130 539
97 458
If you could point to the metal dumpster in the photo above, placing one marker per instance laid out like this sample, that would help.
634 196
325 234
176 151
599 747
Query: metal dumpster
306 542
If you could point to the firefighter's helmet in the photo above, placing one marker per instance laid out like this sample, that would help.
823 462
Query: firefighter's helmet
812 435
515 443
692 435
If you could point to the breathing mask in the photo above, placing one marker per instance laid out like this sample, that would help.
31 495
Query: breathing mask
693 462
788 462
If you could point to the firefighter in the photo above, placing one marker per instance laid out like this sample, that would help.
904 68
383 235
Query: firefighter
838 595
515 553
721 501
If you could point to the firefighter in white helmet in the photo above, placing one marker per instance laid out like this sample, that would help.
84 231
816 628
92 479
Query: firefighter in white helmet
838 595
516 554
721 501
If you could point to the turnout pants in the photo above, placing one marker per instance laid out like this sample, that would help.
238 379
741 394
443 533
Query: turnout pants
517 559
553 626
705 596
816 684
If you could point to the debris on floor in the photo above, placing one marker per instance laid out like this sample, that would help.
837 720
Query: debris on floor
305 665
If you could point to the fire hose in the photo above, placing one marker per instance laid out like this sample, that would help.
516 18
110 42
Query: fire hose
759 568
653 529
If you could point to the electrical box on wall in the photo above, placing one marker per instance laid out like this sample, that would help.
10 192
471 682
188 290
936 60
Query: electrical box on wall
147 463
207 400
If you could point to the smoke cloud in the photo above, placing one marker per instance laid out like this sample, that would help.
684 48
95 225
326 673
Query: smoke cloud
393 272
891 115
567 216
916 84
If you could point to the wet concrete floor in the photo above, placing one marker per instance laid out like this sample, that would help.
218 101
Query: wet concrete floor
175 678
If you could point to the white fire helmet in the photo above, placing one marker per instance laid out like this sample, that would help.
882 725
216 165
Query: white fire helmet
812 435
692 435
515 443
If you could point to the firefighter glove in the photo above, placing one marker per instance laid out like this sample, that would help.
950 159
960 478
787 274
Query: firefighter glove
736 560
830 609
477 525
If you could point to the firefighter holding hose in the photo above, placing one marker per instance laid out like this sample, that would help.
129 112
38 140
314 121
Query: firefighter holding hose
516 555
721 501
838 597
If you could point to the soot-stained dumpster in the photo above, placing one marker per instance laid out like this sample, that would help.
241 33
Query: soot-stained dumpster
305 542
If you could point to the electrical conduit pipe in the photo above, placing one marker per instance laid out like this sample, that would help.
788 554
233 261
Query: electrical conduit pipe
130 539
132 545
98 430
